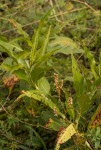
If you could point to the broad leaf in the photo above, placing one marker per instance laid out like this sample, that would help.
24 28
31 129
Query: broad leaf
84 102
65 45
44 85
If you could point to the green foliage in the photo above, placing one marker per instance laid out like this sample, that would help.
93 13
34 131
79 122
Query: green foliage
95 135
50 71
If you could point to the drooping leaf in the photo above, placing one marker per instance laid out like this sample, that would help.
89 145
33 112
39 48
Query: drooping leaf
39 96
8 51
10 46
7 64
65 135
65 45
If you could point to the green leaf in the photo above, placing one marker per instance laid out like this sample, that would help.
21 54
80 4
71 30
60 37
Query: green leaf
65 45
39 96
96 119
84 103
8 50
34 54
78 78
5 67
10 46
23 147
21 74
37 73
51 121
92 62
54 125
44 59
15 67
68 78
44 85
35 41
99 65
45 43
23 55
34 50
21 31
65 135
7 64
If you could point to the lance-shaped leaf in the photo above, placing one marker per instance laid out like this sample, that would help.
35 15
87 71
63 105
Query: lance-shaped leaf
44 45
39 96
96 118
10 46
65 135
92 62
78 78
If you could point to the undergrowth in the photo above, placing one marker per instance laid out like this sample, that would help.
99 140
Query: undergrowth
50 70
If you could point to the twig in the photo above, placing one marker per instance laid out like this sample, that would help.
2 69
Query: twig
19 6
86 4
59 9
